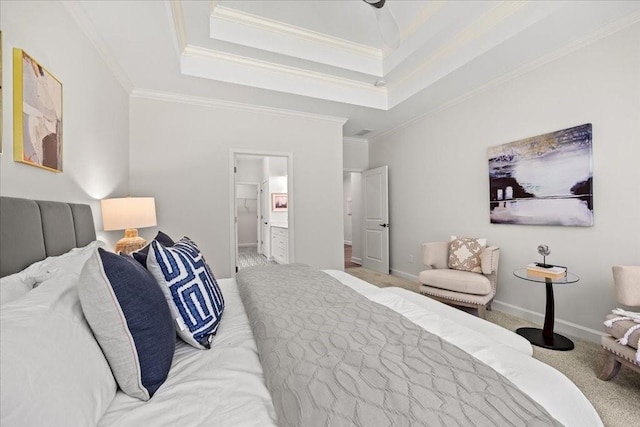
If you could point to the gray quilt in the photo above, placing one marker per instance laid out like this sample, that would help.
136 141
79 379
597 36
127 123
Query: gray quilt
332 357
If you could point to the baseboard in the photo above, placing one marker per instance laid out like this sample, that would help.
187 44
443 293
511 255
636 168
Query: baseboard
356 260
561 326
348 242
404 275
247 245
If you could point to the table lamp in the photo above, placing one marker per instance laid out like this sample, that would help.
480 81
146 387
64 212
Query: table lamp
129 214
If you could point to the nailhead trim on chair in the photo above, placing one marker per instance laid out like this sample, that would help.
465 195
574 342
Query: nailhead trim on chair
455 299
620 355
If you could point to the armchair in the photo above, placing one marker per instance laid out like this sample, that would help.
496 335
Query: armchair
621 346
456 287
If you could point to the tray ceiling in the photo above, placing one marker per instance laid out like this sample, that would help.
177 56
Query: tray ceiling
327 57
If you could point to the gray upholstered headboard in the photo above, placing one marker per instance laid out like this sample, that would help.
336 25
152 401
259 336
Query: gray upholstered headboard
31 230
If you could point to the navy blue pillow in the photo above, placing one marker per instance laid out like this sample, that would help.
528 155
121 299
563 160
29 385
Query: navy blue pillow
141 255
112 286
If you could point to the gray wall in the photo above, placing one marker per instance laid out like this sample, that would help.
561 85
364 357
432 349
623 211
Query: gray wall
95 123
438 176
189 173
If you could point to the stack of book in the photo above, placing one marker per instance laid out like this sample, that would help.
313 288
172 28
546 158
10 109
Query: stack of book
553 272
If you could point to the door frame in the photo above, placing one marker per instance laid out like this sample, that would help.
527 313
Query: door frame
233 225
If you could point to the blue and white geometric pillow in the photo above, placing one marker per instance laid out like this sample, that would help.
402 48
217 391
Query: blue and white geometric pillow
190 288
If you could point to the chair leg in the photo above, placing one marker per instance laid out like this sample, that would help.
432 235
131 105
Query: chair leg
482 312
610 368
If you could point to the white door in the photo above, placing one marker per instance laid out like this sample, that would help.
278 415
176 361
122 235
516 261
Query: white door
375 221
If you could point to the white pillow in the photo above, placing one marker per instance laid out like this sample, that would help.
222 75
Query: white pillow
16 285
13 287
53 371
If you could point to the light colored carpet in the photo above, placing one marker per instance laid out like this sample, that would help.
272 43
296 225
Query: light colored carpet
617 401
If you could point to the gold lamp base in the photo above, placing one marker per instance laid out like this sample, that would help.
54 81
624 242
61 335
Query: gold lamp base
131 242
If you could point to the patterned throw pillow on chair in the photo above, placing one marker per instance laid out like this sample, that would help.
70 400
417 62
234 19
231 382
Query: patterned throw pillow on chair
190 288
464 253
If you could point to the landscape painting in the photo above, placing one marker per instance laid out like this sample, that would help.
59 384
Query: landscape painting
279 202
543 180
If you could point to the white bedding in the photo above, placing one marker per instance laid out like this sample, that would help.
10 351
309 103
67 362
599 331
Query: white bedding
495 346
224 386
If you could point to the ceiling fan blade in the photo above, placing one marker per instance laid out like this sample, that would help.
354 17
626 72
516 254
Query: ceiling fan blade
388 27
375 3
387 24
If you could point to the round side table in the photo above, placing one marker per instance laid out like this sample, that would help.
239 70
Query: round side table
545 337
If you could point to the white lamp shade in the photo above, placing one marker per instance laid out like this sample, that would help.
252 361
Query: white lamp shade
128 212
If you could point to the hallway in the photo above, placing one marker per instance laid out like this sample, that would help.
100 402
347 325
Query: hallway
248 257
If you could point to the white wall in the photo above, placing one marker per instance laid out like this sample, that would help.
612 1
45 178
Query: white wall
356 218
439 177
247 212
95 111
249 169
347 205
180 154
356 160
274 166
356 154
278 185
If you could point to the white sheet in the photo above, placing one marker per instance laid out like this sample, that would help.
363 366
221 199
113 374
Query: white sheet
223 386
488 343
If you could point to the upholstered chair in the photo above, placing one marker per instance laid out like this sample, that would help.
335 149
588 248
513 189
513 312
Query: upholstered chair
457 287
623 327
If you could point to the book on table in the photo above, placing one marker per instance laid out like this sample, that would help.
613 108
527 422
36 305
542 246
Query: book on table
554 272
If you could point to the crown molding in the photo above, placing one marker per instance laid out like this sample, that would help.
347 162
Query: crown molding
245 29
288 30
230 105
279 68
223 66
87 27
355 140
175 11
602 33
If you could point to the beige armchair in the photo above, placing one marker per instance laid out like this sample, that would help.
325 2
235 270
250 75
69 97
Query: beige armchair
463 288
621 345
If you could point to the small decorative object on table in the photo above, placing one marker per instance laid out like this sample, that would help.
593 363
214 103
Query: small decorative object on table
544 251
544 270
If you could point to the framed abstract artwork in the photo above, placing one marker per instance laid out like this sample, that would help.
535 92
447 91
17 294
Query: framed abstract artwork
1 92
279 202
37 114
543 180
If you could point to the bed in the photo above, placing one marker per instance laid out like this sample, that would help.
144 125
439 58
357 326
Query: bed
259 371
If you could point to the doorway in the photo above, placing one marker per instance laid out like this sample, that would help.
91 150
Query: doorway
262 232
